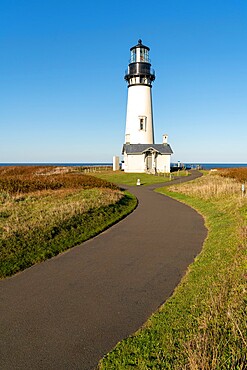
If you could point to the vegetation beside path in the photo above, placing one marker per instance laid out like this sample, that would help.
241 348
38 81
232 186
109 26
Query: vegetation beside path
120 177
46 210
203 325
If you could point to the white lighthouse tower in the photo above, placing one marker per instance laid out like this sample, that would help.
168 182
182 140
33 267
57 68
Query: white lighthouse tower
141 154
139 76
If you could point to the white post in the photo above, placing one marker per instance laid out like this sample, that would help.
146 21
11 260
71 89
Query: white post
115 166
243 190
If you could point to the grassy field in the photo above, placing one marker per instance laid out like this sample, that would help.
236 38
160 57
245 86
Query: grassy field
120 177
203 325
46 210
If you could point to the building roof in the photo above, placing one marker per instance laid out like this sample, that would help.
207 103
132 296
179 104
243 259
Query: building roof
142 148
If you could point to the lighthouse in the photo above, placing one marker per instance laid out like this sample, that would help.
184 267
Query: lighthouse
139 76
140 152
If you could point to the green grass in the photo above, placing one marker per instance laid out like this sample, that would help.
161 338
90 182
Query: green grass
120 177
46 210
203 325
48 226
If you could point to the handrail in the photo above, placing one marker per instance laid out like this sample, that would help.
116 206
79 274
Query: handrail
139 71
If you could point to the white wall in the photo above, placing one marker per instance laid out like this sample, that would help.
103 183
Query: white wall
139 104
163 163
134 163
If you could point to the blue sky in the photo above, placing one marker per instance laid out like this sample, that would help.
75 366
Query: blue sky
62 92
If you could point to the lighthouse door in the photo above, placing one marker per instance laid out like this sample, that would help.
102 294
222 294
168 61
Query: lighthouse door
149 161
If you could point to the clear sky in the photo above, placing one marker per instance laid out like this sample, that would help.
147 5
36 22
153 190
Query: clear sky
62 92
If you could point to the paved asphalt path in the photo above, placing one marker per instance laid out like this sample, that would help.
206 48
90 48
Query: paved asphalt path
67 312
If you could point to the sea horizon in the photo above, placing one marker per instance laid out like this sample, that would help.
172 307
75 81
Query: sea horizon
207 166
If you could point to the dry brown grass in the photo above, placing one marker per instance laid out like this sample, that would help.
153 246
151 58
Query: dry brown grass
46 210
239 174
22 213
38 196
26 179
211 186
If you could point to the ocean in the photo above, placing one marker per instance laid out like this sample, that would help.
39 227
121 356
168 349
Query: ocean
206 166
209 166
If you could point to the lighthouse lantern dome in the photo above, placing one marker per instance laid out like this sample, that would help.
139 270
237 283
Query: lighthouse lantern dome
139 53
139 70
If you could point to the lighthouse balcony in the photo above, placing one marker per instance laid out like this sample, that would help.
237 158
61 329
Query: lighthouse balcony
139 69
147 76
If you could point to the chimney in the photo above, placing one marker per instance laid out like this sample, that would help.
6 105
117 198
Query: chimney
165 138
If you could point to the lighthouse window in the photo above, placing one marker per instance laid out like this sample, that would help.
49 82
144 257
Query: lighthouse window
142 123
133 56
144 55
141 55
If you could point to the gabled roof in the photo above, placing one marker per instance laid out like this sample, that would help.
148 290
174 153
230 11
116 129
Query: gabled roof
142 148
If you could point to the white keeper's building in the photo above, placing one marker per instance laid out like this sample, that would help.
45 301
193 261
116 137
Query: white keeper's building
140 152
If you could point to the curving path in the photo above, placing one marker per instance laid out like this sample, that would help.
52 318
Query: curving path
67 312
